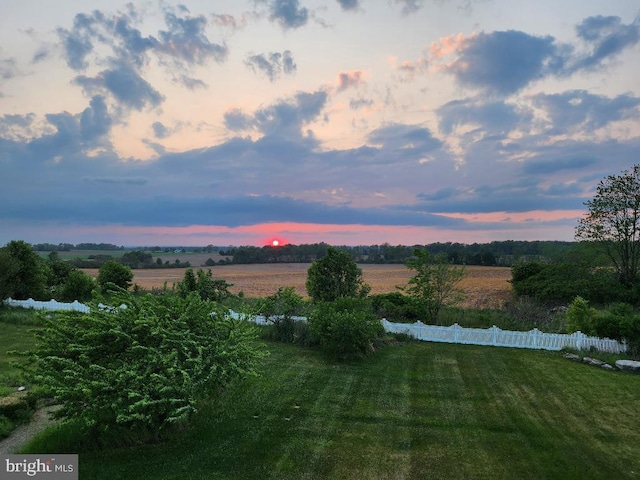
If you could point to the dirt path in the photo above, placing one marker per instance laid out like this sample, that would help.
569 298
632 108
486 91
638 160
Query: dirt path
21 435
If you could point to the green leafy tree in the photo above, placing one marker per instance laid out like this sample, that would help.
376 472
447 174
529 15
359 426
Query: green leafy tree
145 366
336 275
114 273
22 272
613 222
203 283
434 284
77 286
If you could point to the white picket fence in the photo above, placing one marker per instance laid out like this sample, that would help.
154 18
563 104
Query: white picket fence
494 336
497 337
51 305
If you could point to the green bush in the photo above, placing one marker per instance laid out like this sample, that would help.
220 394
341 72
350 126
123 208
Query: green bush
397 307
581 317
278 310
346 328
142 366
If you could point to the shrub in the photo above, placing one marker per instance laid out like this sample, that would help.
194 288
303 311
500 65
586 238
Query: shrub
142 367
336 275
345 328
581 317
279 309
397 307
113 274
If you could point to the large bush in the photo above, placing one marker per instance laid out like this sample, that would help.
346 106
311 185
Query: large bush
143 365
115 274
279 310
346 328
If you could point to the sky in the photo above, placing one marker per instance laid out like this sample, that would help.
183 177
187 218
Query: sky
350 122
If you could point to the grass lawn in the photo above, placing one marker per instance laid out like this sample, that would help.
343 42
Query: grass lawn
412 411
16 335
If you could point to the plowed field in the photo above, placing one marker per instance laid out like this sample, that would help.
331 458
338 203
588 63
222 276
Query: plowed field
485 287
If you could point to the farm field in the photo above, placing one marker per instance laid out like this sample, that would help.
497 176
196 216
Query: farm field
485 287
411 411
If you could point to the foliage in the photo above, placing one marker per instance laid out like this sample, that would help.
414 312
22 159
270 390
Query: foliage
558 283
346 327
336 275
114 273
619 321
279 309
22 274
434 284
78 286
204 285
613 222
397 307
580 317
144 365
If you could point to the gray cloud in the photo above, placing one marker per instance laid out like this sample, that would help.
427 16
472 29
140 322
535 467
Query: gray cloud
410 6
404 138
287 13
349 4
493 116
159 130
272 64
115 40
186 40
504 62
125 84
284 118
606 37
580 110
358 103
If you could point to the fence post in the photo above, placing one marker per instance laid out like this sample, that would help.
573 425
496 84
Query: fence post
494 334
455 332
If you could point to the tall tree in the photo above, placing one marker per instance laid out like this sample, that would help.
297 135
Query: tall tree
21 272
613 222
336 275
434 284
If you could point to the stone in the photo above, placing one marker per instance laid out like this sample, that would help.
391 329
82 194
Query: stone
606 366
573 356
593 361
628 365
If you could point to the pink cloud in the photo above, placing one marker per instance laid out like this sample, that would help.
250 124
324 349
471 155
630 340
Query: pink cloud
349 79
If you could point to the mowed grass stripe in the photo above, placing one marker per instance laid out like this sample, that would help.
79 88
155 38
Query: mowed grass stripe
412 411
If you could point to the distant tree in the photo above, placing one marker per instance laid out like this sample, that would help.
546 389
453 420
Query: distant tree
613 222
336 275
114 273
22 272
434 284
77 286
210 262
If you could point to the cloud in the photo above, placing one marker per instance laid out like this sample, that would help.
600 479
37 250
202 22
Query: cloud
351 79
159 130
491 116
404 139
125 84
606 37
272 64
503 62
349 4
544 167
358 103
283 118
98 38
186 40
287 13
579 110
410 6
